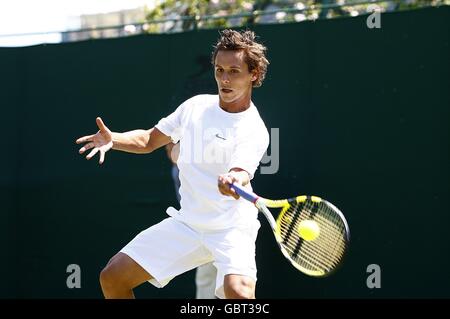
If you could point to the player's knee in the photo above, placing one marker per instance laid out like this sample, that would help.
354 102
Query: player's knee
110 276
107 278
241 288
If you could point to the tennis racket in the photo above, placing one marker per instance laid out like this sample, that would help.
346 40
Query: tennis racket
311 232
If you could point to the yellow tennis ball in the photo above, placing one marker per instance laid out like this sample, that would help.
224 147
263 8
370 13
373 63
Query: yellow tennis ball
308 230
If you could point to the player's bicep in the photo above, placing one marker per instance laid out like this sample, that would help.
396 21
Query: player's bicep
157 139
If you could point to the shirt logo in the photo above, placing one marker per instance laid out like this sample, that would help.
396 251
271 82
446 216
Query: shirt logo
221 137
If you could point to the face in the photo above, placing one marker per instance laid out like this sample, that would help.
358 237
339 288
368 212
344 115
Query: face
234 81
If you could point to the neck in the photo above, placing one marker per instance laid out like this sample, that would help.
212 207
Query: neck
240 105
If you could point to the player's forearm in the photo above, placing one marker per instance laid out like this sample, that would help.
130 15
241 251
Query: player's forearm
136 141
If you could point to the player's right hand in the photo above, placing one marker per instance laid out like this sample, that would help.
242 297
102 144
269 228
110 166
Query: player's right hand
99 142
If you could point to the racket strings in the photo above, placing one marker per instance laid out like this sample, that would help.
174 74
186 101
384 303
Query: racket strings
316 259
329 247
308 257
323 251
314 256
332 232
323 254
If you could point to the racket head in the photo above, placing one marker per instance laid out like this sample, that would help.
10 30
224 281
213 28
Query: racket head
323 255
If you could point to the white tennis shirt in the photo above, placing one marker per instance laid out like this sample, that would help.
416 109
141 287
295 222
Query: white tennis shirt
212 141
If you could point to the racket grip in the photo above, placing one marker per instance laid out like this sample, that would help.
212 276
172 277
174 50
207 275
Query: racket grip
246 194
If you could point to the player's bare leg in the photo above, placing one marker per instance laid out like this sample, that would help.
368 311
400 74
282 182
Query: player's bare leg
239 287
120 276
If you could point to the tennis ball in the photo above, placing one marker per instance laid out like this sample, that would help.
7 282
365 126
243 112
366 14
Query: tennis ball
308 230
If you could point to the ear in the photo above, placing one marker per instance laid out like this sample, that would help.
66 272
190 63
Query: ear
254 75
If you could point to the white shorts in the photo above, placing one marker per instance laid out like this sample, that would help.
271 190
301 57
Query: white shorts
170 248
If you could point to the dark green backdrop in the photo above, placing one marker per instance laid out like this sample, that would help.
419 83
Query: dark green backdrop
364 122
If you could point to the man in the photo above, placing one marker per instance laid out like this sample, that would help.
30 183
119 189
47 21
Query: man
222 140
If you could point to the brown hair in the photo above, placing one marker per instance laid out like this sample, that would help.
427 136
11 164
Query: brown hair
254 52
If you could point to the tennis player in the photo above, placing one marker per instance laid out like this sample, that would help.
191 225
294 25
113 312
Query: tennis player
222 140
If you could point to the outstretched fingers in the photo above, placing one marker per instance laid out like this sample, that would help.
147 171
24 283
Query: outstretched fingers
102 157
92 153
84 139
86 147
100 124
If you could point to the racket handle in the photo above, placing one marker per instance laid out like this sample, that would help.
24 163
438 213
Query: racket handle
241 191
